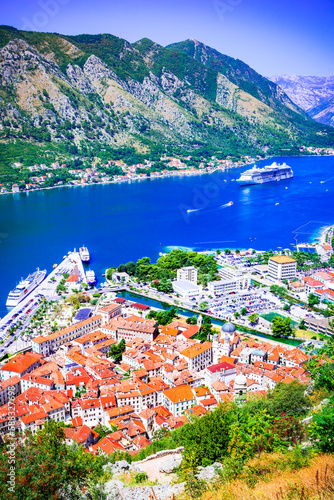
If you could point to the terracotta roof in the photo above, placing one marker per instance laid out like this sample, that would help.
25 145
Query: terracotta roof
72 279
33 417
108 446
196 350
179 394
9 382
116 412
312 282
91 337
190 331
21 362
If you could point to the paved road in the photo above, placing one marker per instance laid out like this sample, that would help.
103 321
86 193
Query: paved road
151 467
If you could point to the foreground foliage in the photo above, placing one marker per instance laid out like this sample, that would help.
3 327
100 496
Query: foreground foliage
277 476
46 468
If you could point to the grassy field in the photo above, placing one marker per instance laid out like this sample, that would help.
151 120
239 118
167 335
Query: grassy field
307 334
269 482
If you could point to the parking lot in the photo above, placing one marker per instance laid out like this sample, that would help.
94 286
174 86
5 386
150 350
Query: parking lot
254 301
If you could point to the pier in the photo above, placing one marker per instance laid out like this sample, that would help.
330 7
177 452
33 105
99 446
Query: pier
25 309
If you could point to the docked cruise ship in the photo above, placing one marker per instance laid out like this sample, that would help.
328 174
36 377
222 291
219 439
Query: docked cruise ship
84 254
270 173
25 287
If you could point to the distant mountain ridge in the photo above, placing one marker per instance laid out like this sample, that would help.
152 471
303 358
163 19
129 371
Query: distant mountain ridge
86 92
314 94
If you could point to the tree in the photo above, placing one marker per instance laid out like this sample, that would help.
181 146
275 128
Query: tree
321 366
207 439
163 317
192 320
104 431
321 428
45 467
278 290
236 315
203 306
289 399
130 268
110 272
81 390
301 325
206 329
253 318
281 327
243 311
313 300
116 351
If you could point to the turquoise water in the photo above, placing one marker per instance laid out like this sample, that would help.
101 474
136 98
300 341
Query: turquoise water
122 222
271 315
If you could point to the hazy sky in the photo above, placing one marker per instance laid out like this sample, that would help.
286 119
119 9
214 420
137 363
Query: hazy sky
272 36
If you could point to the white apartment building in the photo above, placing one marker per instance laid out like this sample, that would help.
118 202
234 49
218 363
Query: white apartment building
186 289
225 372
229 285
188 273
281 267
44 345
198 356
227 273
178 399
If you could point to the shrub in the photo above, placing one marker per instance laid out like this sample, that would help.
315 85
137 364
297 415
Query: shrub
140 477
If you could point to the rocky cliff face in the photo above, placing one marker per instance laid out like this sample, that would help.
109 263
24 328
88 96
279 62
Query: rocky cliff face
314 94
101 89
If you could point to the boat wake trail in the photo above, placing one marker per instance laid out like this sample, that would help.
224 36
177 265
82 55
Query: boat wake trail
193 210
229 204
327 180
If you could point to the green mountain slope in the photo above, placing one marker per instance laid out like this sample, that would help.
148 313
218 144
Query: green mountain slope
237 72
91 93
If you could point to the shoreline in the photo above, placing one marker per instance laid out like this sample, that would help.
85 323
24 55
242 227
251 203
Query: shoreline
199 172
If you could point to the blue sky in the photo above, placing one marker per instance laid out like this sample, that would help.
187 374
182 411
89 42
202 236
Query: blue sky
272 36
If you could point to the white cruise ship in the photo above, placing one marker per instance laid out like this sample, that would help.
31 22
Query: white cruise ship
270 173
25 287
90 275
84 254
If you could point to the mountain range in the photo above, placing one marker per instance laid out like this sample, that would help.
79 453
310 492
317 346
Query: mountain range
313 94
88 93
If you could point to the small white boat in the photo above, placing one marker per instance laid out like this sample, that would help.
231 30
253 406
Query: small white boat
90 275
276 204
84 254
